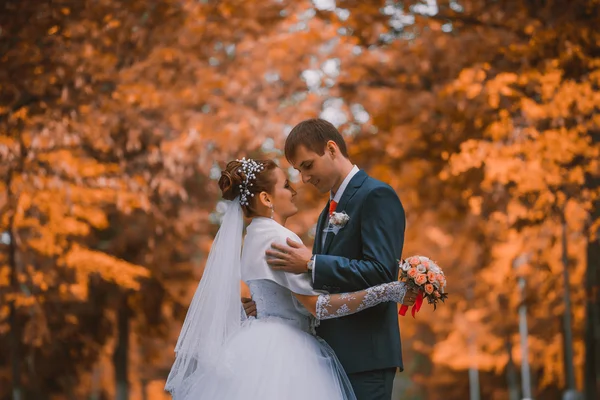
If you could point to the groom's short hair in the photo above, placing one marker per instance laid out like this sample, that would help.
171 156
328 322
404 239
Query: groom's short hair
314 135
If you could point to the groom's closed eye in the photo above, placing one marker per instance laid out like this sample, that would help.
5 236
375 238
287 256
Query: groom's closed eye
306 164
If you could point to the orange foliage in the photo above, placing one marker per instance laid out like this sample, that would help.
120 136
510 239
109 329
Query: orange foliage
116 116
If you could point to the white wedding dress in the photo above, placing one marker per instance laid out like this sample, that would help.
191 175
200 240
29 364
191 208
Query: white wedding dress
275 356
221 354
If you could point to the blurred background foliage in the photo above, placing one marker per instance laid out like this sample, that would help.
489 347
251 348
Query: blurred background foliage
116 117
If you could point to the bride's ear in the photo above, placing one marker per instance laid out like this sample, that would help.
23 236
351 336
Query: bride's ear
265 199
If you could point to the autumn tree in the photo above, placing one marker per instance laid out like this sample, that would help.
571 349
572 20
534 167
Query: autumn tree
60 184
116 118
116 112
460 126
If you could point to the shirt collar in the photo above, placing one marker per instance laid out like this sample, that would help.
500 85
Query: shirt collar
340 192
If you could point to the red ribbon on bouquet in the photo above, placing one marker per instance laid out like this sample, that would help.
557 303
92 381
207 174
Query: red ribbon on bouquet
415 308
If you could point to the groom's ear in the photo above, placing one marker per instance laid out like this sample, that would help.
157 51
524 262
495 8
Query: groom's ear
331 148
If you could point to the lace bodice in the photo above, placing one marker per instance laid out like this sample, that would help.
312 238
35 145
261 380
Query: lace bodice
275 301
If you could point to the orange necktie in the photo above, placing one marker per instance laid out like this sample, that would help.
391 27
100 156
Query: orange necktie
332 205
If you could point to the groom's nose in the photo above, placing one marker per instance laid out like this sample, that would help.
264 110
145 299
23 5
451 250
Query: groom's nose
305 178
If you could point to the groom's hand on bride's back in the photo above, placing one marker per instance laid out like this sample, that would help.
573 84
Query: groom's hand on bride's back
249 306
291 257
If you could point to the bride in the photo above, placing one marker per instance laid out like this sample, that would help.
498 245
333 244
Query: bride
222 354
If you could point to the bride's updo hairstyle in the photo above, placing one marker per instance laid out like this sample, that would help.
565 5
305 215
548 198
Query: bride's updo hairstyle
233 182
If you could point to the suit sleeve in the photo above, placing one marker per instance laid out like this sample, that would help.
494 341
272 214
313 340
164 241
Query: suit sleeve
382 225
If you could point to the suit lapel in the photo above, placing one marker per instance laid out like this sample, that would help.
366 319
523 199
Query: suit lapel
319 233
353 186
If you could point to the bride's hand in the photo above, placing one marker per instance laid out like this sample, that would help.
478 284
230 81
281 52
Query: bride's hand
293 257
410 297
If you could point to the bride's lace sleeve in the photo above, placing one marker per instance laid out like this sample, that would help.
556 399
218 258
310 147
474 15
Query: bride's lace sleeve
338 305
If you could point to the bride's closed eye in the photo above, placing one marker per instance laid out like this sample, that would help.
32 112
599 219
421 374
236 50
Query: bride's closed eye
289 187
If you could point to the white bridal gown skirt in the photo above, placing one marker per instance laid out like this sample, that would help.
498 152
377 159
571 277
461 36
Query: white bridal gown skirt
271 359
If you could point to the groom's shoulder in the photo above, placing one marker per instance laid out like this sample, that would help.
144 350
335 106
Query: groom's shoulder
374 189
375 184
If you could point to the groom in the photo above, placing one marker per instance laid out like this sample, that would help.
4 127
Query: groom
349 256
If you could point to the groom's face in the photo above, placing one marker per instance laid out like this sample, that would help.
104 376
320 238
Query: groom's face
317 170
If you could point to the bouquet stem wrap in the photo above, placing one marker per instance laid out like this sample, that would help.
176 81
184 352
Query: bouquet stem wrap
415 308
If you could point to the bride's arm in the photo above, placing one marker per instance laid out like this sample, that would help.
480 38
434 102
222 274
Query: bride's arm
327 306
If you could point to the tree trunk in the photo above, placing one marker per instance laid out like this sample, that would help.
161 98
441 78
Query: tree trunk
592 304
512 379
15 356
592 316
14 320
120 358
567 330
15 328
144 384
95 390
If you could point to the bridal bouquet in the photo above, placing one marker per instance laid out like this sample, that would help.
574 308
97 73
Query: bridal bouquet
427 277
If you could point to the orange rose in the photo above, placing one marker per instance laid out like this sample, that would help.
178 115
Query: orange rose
421 279
442 280
437 294
425 264
412 273
431 276
414 261
429 288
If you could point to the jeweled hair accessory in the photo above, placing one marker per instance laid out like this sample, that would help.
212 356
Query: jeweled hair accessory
249 168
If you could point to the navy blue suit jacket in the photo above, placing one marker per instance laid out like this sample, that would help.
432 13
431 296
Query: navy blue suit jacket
362 254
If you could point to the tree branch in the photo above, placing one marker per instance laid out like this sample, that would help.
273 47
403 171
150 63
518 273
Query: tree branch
472 21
